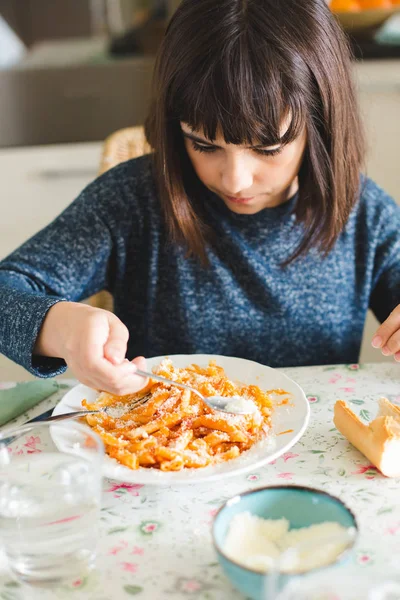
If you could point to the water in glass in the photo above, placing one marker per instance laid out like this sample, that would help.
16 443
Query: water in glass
49 515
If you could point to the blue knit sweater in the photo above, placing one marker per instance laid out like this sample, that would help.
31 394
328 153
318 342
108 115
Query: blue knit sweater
245 304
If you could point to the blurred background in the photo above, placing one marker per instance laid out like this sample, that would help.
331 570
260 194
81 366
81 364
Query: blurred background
72 72
75 70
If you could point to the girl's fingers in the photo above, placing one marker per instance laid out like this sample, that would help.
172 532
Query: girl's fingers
387 331
115 379
116 345
392 345
119 379
140 363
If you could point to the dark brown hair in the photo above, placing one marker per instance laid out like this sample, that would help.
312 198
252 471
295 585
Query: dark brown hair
243 65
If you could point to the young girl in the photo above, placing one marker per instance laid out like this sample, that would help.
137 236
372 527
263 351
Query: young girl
249 230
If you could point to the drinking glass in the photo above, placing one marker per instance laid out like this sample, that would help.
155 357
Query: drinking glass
320 554
344 583
50 491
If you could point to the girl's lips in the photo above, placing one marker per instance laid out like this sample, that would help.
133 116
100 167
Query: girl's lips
239 200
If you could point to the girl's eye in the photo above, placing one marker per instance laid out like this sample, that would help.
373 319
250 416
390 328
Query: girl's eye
274 152
201 148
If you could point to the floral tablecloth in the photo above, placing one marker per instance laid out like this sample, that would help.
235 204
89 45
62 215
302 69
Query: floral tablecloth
156 542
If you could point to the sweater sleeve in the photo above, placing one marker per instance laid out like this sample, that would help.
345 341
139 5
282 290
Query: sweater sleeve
385 294
70 259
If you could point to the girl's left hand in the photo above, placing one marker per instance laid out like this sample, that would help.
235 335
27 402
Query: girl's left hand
387 336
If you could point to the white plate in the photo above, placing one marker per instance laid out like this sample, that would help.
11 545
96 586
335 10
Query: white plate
294 416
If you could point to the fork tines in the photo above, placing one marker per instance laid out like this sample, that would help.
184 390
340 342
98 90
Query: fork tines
140 401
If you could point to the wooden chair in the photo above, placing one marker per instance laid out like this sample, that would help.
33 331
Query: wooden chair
120 146
123 145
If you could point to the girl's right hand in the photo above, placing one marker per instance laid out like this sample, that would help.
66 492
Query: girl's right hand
93 343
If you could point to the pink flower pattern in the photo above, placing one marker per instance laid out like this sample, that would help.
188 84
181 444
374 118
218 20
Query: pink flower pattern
117 549
364 559
191 586
285 475
32 441
364 470
131 488
28 448
137 550
130 567
288 455
312 399
394 530
149 527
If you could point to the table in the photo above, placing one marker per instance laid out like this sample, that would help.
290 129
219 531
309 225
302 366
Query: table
156 542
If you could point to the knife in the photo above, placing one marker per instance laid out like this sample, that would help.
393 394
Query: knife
41 417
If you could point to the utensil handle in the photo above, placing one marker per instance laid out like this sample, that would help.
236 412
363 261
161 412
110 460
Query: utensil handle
165 380
71 415
43 417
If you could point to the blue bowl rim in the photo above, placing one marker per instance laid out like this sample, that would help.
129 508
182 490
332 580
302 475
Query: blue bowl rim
303 488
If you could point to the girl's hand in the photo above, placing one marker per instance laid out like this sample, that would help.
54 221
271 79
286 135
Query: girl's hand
387 336
93 343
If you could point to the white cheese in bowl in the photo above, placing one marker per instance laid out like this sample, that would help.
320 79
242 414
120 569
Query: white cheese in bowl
260 544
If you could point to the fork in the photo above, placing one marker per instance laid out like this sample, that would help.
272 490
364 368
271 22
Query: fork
232 404
103 409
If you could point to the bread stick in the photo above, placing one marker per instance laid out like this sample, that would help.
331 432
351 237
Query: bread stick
379 441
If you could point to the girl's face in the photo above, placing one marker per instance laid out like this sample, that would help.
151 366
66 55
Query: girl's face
247 178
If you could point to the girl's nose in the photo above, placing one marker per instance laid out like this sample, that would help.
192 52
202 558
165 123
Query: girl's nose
237 175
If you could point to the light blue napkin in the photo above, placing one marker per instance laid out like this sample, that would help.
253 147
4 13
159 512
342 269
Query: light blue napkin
16 400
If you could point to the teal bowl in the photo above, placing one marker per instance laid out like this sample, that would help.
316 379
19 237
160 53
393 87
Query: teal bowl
301 506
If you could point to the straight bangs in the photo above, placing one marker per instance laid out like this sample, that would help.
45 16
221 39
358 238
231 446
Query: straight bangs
245 105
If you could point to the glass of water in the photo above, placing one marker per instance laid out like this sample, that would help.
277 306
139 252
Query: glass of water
349 582
50 491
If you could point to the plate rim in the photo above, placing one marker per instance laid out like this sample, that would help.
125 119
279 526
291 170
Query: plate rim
196 475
